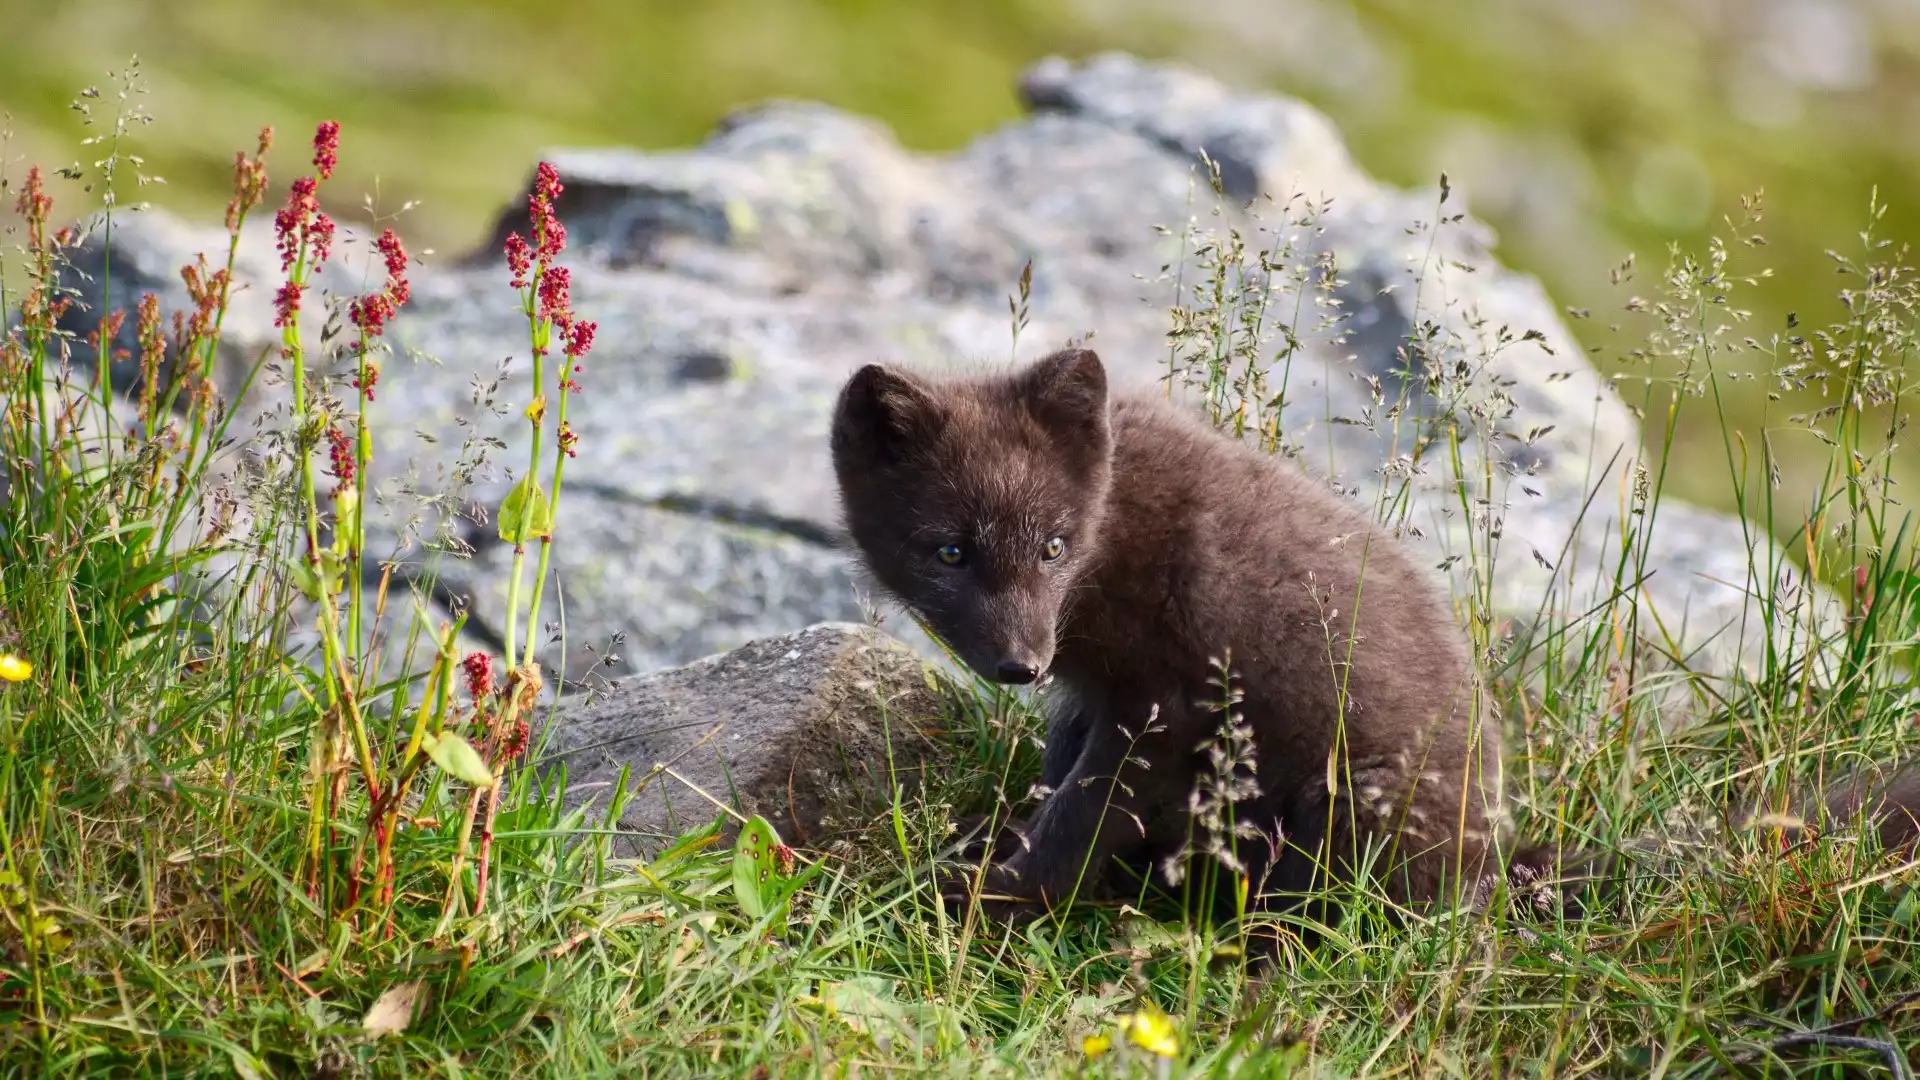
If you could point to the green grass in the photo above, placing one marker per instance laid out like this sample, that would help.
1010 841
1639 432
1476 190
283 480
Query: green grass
192 813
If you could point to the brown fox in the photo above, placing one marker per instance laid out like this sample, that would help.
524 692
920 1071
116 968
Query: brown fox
1117 548
1120 547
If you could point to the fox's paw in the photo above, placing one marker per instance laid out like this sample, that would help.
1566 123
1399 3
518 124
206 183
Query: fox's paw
998 892
977 843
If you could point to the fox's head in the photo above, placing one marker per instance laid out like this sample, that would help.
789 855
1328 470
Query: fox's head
978 501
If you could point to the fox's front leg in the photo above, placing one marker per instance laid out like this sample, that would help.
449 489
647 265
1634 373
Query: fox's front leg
1067 729
1099 810
1066 738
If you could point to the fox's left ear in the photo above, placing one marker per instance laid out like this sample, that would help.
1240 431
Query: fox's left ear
1067 392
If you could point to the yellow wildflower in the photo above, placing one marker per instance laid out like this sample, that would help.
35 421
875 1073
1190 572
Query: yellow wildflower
1152 1030
1095 1045
14 669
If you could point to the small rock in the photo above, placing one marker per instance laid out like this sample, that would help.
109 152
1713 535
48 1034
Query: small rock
796 728
704 365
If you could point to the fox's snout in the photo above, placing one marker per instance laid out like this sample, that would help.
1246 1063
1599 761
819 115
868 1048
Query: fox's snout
1011 651
1012 635
1018 671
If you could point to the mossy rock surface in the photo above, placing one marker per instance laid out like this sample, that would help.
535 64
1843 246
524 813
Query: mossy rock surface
814 730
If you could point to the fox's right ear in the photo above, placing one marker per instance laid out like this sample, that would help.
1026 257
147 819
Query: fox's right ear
1068 388
881 413
1067 392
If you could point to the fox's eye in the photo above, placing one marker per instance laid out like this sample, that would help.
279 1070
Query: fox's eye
1056 547
951 554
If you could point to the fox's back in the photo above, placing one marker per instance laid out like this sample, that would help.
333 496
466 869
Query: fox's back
1213 545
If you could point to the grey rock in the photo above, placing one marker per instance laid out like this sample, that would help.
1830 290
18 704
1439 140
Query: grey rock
1262 143
815 730
738 283
710 585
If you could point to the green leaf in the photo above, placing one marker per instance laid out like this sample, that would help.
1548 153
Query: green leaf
1900 594
868 1004
1904 911
333 568
458 757
346 508
682 850
525 515
863 1002
756 867
248 1066
321 578
306 581
1150 936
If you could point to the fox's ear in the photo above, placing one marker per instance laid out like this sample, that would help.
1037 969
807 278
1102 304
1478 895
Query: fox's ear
1067 391
881 413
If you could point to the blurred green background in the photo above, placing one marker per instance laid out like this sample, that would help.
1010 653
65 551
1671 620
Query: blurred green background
1582 129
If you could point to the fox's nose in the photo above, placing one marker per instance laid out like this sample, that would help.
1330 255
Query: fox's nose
1016 671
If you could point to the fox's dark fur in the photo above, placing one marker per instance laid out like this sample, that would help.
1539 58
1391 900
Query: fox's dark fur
1120 547
1179 545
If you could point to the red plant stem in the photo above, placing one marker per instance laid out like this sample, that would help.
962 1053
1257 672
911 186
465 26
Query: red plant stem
496 737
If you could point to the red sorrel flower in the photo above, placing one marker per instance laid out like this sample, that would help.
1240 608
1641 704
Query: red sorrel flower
340 453
372 380
291 222
395 255
515 742
371 313
326 148
479 669
300 222
555 304
546 225
110 326
34 203
577 338
153 350
147 329
519 259
320 237
546 181
549 235
580 339
205 287
286 304
249 180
